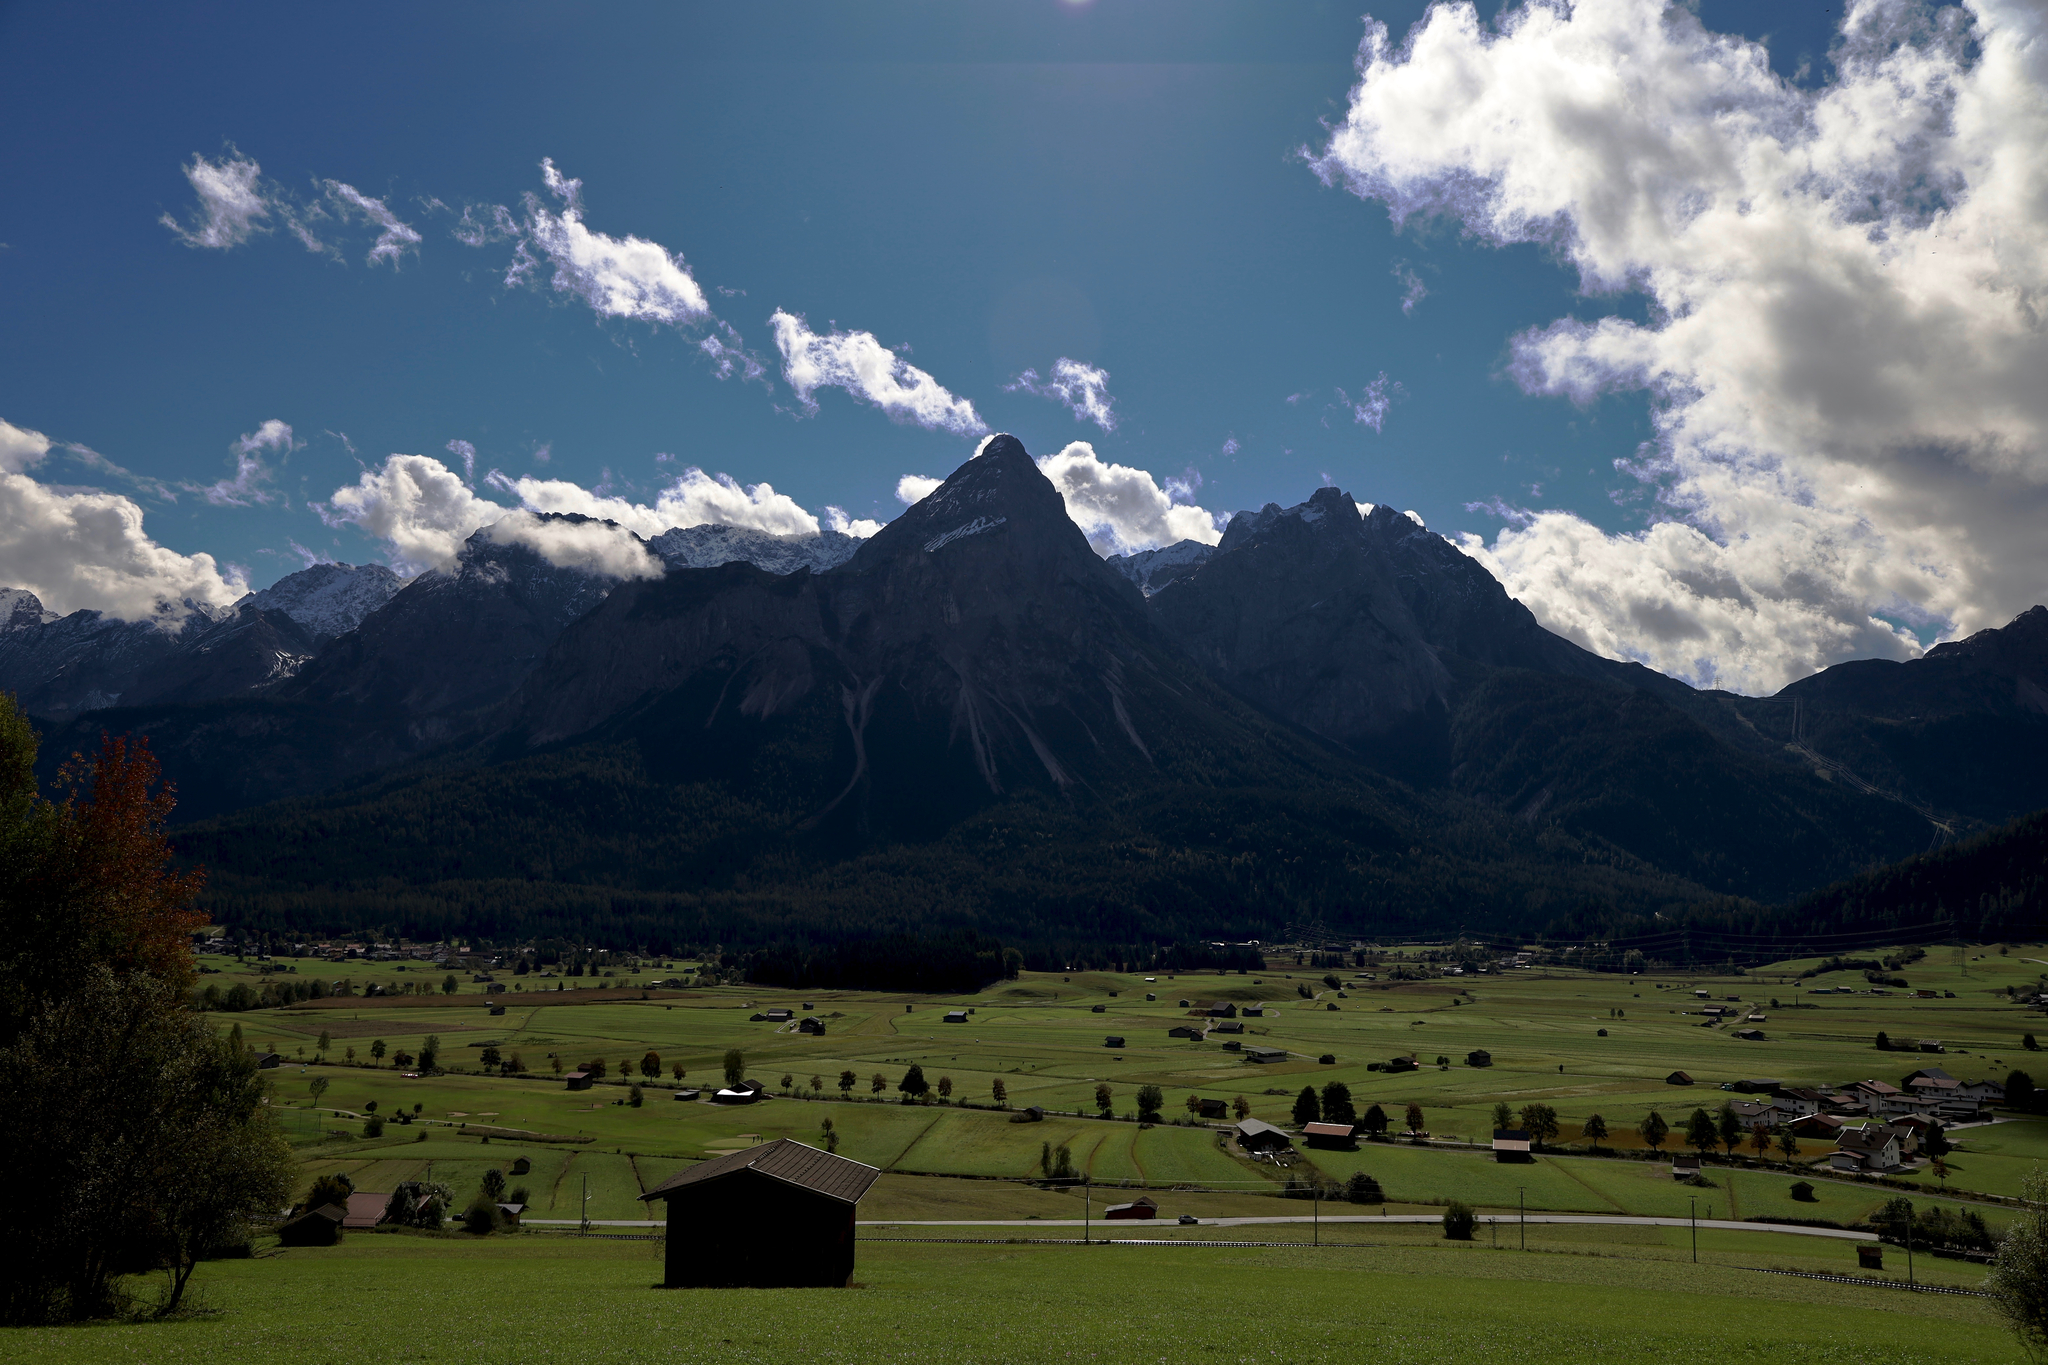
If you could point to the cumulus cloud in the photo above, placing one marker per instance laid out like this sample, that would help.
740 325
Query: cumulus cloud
247 487
1369 407
693 499
1081 389
20 448
423 511
85 549
872 373
593 547
1122 510
618 277
1844 348
915 488
232 202
417 506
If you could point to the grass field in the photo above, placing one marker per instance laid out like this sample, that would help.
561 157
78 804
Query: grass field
1594 1297
1041 1038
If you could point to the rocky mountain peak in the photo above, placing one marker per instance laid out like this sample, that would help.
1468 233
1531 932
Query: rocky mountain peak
327 600
20 609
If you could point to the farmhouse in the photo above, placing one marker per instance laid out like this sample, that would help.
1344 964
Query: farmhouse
1256 1135
1141 1207
1511 1144
1755 1114
778 1216
1873 1147
1825 1127
577 1080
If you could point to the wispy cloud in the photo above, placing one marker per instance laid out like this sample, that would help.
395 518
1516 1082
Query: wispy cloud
232 203
1081 389
248 487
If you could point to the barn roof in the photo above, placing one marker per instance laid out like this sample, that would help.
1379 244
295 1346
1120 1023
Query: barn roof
786 1160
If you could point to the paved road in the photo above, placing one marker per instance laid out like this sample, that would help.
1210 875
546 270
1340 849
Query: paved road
1505 1220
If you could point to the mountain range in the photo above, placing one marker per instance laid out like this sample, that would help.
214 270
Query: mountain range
971 721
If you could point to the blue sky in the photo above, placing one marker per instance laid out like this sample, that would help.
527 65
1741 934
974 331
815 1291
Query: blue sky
984 188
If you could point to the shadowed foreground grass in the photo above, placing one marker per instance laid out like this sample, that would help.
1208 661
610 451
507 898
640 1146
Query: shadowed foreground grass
541 1298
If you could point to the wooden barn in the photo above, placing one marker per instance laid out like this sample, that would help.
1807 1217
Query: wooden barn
778 1216
1141 1207
319 1227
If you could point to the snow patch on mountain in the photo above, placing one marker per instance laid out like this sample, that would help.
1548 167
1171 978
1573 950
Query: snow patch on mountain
715 543
1152 570
329 600
20 608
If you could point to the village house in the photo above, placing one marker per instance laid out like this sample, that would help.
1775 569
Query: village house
778 1216
1511 1144
1821 1127
1798 1101
1874 1148
1755 1114
365 1209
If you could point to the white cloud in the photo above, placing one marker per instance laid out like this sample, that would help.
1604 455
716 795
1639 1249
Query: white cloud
1122 510
87 549
1413 290
1844 350
20 448
416 505
915 488
618 277
247 489
592 546
694 499
1082 389
872 373
423 511
232 202
1369 407
394 238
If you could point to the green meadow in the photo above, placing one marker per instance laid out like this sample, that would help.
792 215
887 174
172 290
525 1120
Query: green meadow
392 1297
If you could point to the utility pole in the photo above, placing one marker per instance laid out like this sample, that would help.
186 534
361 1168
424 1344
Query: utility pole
1909 1248
1695 1230
1087 1209
1317 1212
1522 1202
584 1224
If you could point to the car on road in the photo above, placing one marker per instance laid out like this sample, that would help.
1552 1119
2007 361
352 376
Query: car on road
1189 1220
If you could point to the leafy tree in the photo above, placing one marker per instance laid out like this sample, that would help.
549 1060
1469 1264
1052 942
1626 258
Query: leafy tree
1937 1143
1760 1138
403 1059
1337 1106
595 1068
878 1084
149 1138
1363 1189
788 1081
650 1065
1459 1220
430 1053
319 1087
636 1096
1593 1129
373 1126
1540 1121
493 1184
332 1188
451 985
735 1067
489 1056
1375 1120
1104 1097
326 1041
847 1081
1307 1108
1150 1100
1414 1117
1788 1143
1045 1159
1884 1042
999 1092
1241 1108
1063 1163
1653 1130
2029 1044
516 1063
914 1086
377 1050
676 1072
349 1053
2019 1092
1729 1126
817 1084
1503 1117
1700 1132
945 1087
